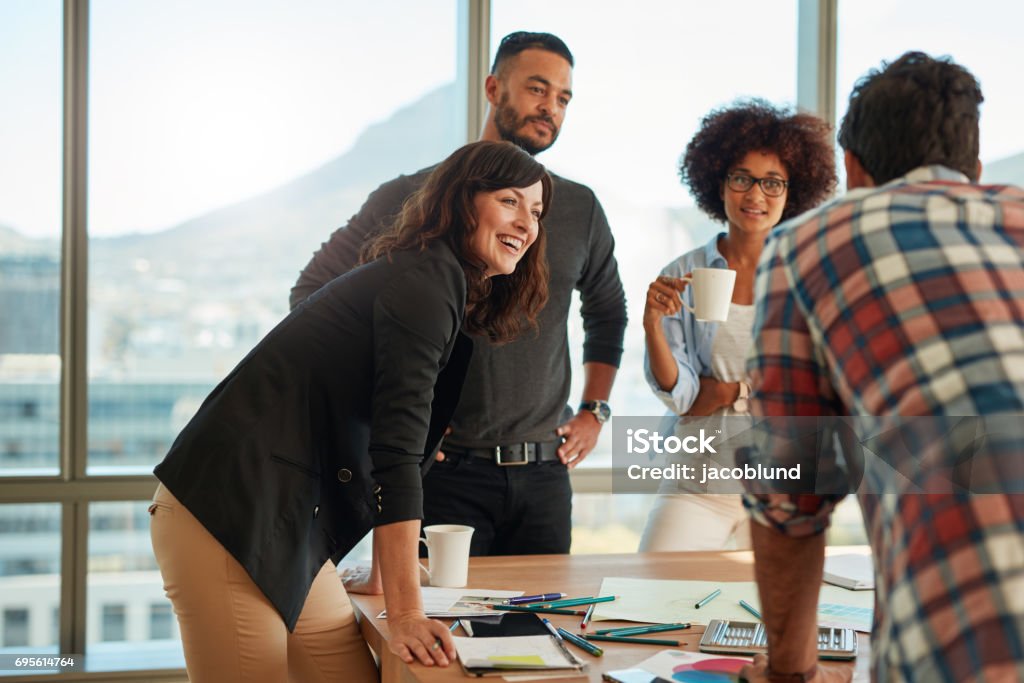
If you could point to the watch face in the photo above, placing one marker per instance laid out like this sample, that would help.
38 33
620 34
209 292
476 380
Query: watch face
741 405
601 410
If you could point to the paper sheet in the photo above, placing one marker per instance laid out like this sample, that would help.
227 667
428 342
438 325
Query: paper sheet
516 652
665 601
460 602
854 572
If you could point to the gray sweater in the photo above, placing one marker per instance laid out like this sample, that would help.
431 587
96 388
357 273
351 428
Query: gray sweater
517 391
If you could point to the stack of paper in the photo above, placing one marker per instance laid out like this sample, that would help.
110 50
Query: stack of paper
494 656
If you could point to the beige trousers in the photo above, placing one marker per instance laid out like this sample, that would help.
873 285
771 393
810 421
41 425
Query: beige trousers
230 631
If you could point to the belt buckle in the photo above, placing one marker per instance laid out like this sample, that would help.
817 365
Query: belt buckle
525 461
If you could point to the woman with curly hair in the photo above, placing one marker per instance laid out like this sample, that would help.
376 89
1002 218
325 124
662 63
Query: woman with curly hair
751 165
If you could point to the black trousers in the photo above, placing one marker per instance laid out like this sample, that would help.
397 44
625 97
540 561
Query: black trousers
514 509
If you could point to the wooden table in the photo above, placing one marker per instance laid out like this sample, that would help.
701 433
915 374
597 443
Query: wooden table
574 575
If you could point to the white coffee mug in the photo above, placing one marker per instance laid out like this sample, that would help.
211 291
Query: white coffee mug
712 293
448 554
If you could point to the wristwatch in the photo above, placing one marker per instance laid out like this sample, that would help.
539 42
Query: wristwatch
742 402
601 410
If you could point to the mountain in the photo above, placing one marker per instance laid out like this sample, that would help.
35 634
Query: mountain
282 227
13 242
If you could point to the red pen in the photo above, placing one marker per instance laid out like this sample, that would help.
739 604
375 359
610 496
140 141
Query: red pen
587 616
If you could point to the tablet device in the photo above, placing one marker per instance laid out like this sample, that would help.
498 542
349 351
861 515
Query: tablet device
508 624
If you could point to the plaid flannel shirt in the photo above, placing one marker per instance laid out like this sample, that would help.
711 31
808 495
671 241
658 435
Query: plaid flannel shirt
908 300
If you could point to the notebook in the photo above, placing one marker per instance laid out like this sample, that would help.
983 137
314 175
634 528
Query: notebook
501 655
854 572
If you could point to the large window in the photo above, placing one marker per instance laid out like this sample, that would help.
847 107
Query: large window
227 141
224 142
30 230
125 596
29 577
985 40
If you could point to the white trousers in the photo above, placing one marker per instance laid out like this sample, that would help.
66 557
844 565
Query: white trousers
696 521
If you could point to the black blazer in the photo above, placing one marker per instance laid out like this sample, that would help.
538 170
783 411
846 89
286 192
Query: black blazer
322 430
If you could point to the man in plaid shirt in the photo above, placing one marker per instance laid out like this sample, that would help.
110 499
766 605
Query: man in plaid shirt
903 298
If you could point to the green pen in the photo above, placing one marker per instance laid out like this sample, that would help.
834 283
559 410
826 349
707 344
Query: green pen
589 648
637 630
623 639
711 596
579 601
750 608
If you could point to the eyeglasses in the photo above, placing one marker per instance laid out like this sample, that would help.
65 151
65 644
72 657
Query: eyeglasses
772 187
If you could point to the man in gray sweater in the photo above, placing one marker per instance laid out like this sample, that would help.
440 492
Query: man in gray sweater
504 469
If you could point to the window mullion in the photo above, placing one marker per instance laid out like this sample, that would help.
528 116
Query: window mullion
73 296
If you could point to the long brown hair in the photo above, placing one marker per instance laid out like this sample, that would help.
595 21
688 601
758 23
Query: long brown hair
500 306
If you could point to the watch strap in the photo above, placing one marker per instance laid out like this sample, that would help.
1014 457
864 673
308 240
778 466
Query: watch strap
601 410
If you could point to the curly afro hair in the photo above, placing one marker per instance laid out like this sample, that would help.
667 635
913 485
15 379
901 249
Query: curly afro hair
801 141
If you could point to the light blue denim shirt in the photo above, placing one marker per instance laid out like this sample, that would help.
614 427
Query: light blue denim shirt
689 340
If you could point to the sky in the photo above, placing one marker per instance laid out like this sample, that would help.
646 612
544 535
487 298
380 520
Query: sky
198 104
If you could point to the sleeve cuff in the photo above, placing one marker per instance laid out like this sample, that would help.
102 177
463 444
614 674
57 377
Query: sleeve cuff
792 515
599 353
679 399
398 494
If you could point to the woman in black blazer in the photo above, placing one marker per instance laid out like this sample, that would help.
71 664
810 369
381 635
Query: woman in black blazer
321 433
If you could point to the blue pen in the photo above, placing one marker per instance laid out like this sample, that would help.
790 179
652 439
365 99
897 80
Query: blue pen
523 599
551 628
455 625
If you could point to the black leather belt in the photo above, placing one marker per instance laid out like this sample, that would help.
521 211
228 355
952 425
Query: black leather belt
512 454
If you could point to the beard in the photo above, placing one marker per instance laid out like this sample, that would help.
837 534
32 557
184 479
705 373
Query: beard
509 124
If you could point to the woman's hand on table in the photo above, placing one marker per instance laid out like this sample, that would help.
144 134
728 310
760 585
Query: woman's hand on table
416 638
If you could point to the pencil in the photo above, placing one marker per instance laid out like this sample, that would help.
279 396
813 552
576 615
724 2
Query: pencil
538 610
750 608
580 601
589 648
637 630
624 639
711 596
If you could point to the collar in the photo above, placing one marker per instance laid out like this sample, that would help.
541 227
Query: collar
711 253
925 174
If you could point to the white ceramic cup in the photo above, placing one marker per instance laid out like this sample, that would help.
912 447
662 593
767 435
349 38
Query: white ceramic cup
712 293
448 554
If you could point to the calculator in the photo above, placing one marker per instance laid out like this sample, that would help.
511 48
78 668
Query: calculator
727 637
